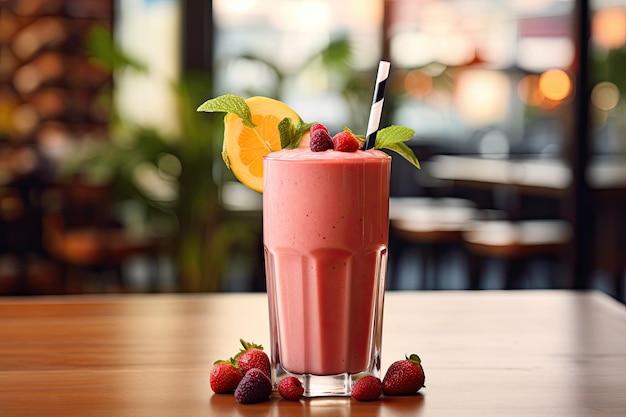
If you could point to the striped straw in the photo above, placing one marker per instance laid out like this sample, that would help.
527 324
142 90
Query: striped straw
377 104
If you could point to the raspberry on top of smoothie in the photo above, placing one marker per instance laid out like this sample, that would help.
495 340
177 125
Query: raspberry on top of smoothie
258 126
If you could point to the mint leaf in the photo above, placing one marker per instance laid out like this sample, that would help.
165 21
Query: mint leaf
229 103
290 133
404 151
393 138
393 134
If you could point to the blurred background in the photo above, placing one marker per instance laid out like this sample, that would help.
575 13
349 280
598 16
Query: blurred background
110 181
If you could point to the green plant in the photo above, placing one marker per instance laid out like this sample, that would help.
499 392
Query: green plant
334 61
166 185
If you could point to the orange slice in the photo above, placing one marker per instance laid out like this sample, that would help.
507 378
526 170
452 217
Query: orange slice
245 147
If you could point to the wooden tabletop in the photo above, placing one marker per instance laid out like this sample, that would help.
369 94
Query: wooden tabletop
485 353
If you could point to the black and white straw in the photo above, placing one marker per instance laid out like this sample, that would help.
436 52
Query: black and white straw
377 104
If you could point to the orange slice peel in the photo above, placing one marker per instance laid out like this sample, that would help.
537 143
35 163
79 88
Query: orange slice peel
253 128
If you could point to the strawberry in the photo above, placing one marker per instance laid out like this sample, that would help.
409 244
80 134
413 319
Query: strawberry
252 356
291 388
224 376
404 377
346 142
367 389
254 387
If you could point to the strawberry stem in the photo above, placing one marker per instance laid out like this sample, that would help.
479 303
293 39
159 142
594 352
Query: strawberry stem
246 347
250 345
232 361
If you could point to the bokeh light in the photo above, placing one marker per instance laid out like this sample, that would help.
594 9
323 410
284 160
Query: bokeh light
482 96
555 84
528 90
417 83
608 27
605 96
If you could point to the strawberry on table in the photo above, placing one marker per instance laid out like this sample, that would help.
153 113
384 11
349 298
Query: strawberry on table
404 377
252 356
224 376
368 388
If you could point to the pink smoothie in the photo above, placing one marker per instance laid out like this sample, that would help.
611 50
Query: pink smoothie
325 226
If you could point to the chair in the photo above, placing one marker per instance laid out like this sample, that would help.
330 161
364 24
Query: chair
513 242
431 225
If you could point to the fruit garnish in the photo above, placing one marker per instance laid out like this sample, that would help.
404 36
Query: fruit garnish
346 142
253 128
290 388
320 139
320 126
368 388
252 356
224 376
393 138
404 377
253 388
256 126
229 103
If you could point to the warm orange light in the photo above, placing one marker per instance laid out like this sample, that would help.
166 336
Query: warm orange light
482 96
417 83
608 27
555 84
528 90
548 104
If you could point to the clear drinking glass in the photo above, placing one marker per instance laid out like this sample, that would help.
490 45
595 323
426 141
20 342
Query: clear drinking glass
325 231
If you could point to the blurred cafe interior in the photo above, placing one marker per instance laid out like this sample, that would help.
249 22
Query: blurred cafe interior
110 181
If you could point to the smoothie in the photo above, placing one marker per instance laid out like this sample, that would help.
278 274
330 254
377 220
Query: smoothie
325 226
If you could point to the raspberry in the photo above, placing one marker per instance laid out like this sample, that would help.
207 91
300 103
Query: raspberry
253 388
317 126
320 140
291 388
367 389
346 142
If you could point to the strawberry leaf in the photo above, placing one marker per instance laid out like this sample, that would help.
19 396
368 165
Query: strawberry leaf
413 357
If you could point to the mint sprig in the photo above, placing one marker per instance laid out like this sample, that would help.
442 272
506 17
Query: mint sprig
229 103
290 133
393 138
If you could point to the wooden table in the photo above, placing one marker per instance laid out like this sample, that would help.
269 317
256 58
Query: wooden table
487 353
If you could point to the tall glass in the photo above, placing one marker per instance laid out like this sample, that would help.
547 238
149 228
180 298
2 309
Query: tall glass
325 231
